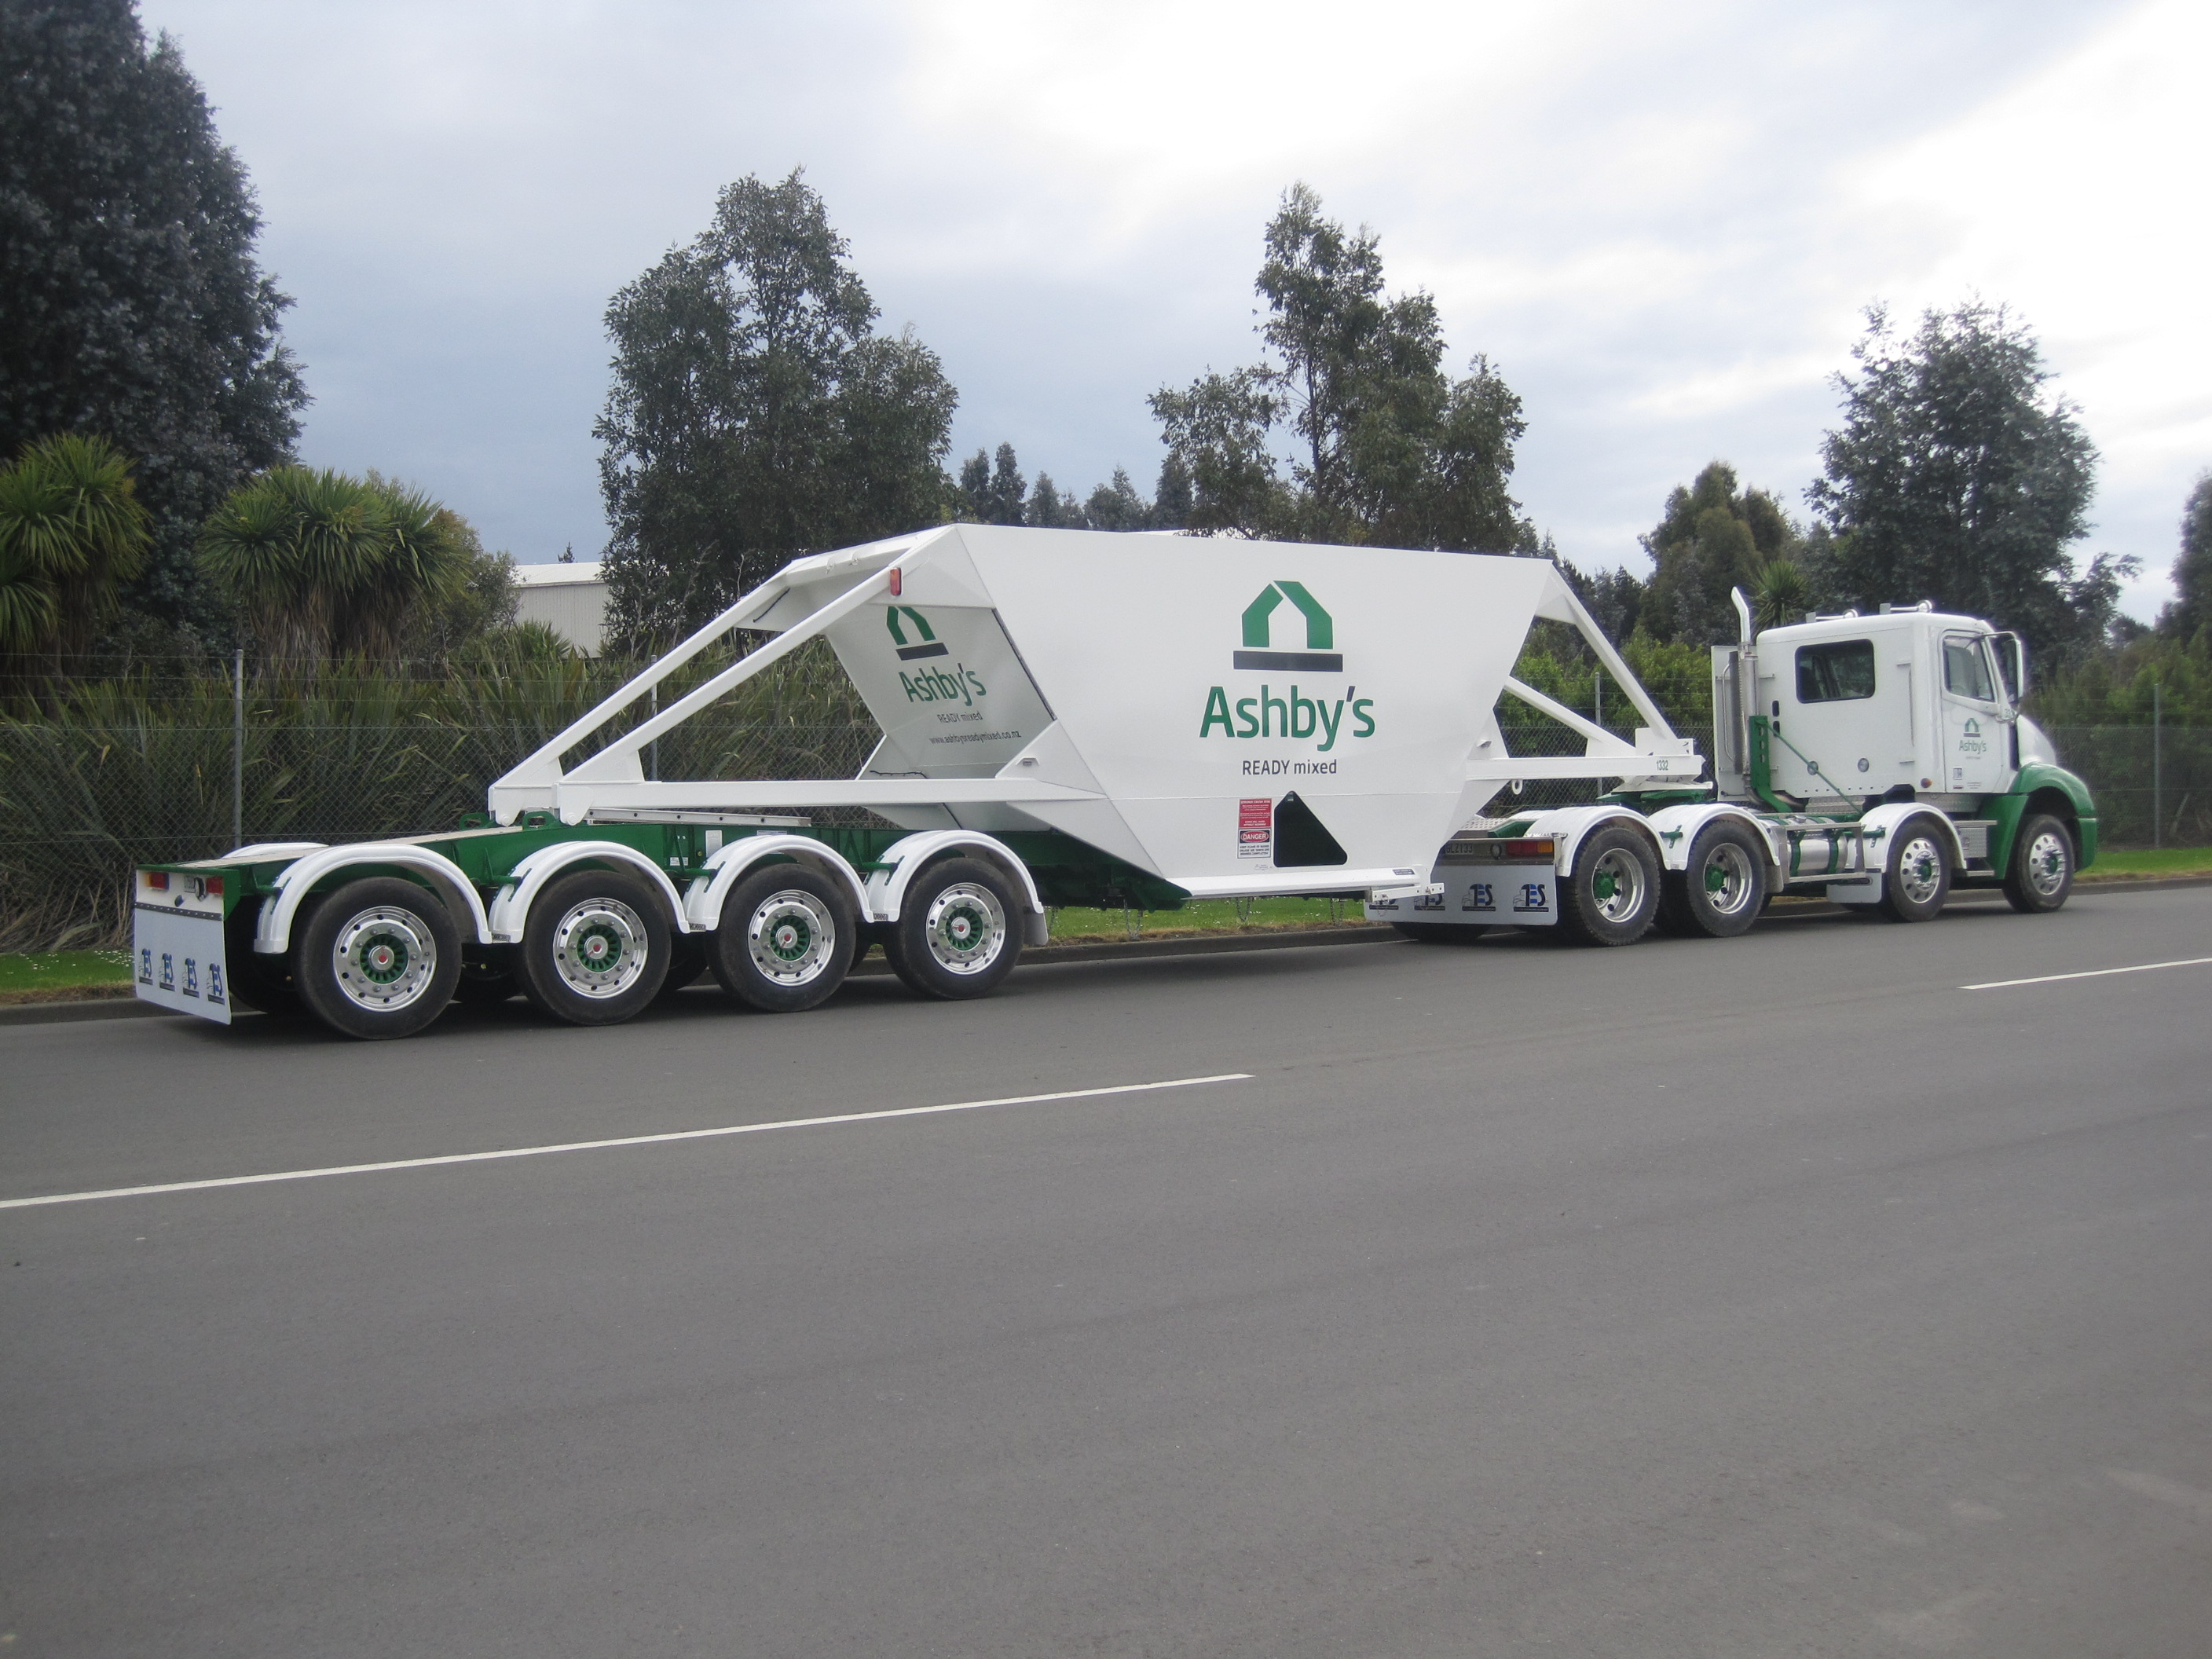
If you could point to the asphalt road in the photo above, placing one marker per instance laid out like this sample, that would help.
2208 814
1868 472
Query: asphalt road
1769 1297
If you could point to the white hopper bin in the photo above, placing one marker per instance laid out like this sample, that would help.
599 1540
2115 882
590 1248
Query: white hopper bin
1160 697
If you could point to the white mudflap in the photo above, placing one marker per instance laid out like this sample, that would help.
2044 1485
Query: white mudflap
178 962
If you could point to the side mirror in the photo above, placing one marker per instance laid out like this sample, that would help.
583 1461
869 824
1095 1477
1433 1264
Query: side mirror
2012 665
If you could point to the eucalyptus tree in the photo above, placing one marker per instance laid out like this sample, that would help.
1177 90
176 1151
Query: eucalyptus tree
756 414
1959 476
1378 443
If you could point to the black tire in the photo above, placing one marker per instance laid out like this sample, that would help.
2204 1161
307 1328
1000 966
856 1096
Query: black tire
689 956
487 981
2040 873
1441 932
959 932
786 939
1722 891
1612 897
1916 877
595 948
256 981
377 959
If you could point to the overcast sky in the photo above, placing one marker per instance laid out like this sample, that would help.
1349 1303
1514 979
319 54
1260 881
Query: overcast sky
1661 223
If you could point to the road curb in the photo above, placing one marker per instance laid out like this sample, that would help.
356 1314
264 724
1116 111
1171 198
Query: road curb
58 1013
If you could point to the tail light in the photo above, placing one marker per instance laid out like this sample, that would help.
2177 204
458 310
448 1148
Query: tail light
1519 851
158 880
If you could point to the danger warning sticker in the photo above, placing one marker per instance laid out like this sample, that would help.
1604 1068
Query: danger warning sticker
1256 829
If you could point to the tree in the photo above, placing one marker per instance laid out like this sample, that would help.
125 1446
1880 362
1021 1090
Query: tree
72 530
1172 495
324 565
1383 446
989 494
1956 476
1714 537
1116 505
131 307
2191 609
756 415
1050 510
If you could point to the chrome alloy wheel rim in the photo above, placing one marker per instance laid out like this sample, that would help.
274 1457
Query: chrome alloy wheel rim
600 948
1920 870
385 958
1617 884
966 927
1728 881
2048 855
791 936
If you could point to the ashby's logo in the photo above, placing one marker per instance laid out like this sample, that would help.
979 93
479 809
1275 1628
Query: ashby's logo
1296 715
959 683
1321 633
929 646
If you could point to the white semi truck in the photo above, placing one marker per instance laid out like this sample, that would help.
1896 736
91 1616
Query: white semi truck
1071 718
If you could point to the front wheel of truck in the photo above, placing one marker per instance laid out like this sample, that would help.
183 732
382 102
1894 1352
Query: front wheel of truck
2041 873
377 959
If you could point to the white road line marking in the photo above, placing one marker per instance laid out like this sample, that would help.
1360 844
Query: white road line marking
625 1140
2091 973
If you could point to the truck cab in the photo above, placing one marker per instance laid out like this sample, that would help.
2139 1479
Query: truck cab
1856 710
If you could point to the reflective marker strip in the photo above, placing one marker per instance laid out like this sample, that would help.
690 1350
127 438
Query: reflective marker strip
2091 973
626 1140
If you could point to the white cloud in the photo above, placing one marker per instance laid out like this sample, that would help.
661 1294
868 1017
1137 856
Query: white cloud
1660 222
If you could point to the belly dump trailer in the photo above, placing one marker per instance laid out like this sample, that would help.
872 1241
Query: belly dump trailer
1072 718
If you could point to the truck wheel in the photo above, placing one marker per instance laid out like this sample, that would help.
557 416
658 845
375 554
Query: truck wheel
377 959
1722 891
787 939
595 948
1612 897
1438 933
958 932
1917 878
2041 873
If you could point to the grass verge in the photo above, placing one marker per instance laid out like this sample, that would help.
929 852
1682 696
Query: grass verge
2135 864
64 975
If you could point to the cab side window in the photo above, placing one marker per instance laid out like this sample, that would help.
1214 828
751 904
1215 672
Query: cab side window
1835 672
1967 669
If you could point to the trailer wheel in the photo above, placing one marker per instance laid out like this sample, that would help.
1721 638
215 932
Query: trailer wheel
786 939
1918 878
958 934
1440 932
377 959
595 948
2041 873
1722 891
1613 896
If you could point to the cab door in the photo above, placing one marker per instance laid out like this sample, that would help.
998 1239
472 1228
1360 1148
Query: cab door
1973 718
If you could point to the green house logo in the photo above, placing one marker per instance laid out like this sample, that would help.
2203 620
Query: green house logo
1973 727
1318 658
928 646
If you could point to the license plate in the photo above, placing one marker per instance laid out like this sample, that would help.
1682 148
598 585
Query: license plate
178 962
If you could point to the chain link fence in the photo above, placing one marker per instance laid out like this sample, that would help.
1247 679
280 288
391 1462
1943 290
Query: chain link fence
140 769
